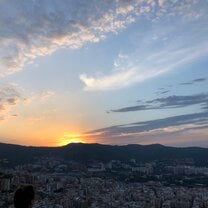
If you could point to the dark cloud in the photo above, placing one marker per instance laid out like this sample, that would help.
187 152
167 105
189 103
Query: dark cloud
196 120
164 92
175 101
194 81
133 108
200 80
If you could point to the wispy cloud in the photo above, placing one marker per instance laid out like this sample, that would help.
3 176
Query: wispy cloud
136 70
47 94
157 51
34 97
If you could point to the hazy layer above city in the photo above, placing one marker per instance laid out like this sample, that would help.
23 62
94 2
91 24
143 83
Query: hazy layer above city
111 72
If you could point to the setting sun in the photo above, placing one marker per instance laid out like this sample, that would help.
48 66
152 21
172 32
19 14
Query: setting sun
71 138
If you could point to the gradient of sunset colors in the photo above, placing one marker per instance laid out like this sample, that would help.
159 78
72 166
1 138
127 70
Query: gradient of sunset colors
112 72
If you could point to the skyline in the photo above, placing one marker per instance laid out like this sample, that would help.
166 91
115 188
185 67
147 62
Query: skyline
111 72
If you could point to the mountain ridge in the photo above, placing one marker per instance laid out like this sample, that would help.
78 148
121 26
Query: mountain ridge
84 152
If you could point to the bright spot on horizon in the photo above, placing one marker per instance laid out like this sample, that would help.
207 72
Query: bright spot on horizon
71 138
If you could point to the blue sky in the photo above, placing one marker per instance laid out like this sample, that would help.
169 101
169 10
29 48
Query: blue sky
84 71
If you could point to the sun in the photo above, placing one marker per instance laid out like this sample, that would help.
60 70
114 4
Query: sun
71 138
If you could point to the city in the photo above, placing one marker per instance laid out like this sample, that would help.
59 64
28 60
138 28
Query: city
68 184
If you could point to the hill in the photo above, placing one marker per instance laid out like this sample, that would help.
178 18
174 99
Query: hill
80 152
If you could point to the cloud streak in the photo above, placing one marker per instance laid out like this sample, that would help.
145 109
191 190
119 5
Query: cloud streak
139 68
194 81
167 126
174 101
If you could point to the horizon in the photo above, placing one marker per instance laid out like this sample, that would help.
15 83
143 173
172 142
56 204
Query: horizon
107 72
114 145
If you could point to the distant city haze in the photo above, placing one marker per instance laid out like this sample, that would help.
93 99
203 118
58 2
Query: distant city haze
109 72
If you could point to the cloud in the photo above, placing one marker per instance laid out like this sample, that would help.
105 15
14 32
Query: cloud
19 105
37 28
10 96
13 96
112 81
142 65
34 97
47 94
174 101
161 3
199 80
162 45
167 126
138 71
32 28
162 92
194 81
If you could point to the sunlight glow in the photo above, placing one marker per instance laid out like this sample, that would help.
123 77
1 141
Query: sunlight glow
70 138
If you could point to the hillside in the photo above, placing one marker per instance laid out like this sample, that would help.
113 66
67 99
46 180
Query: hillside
17 154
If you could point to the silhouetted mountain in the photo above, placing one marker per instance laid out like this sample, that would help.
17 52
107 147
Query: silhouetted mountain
17 154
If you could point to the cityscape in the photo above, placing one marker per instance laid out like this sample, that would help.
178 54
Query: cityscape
59 183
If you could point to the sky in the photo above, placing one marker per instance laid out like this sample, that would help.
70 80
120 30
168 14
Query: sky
112 72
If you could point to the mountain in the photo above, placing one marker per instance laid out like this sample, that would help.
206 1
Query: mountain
80 152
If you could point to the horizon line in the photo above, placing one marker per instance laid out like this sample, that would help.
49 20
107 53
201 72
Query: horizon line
85 143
